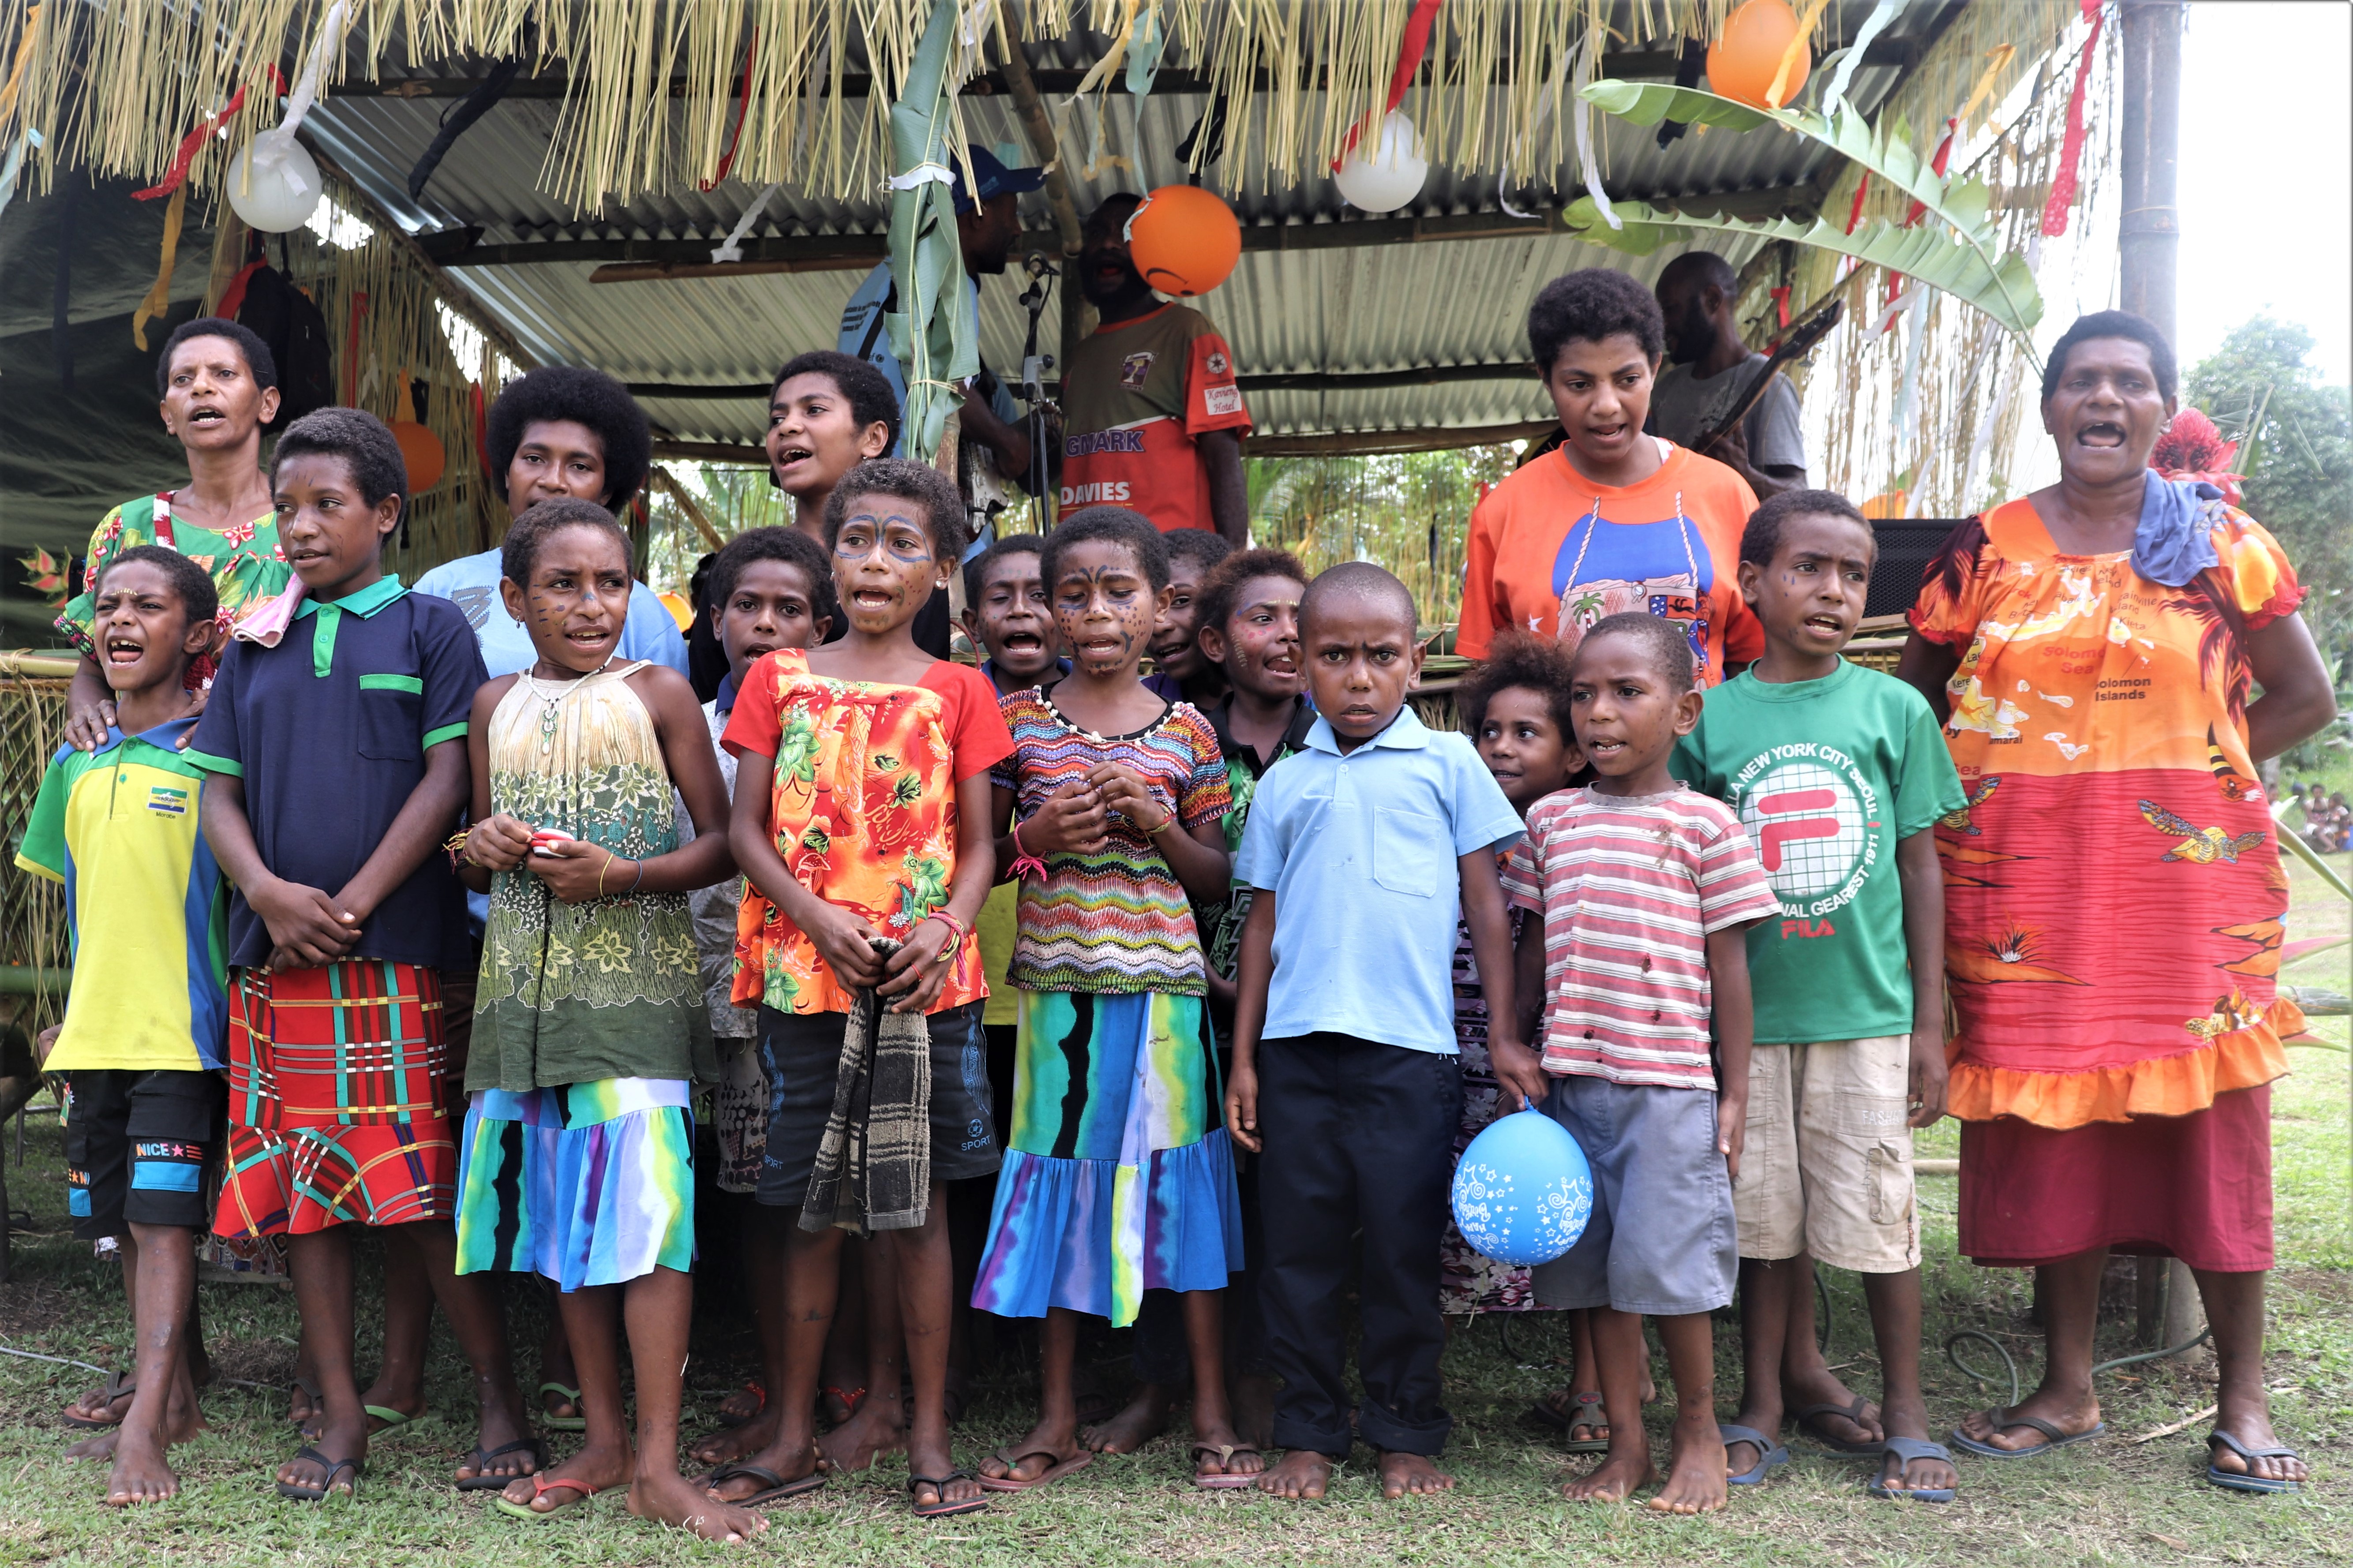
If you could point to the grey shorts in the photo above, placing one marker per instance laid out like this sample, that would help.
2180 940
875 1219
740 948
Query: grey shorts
799 1053
1662 1240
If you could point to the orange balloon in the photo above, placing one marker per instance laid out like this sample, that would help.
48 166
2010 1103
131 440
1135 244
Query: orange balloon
1183 240
1741 64
421 450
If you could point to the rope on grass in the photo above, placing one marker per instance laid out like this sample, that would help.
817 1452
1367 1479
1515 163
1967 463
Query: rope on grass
59 1360
2017 1388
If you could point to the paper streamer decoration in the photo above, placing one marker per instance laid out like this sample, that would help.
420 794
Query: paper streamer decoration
1885 12
1410 48
159 297
2071 150
742 113
1589 167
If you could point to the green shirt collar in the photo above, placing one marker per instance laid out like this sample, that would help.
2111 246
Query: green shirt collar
364 604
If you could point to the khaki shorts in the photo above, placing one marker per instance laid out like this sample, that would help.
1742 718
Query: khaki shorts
1826 1167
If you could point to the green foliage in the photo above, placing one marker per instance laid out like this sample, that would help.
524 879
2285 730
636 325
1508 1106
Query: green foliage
1408 511
1968 262
2296 440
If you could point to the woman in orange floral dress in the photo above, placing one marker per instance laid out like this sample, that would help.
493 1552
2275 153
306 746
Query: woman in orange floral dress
2114 895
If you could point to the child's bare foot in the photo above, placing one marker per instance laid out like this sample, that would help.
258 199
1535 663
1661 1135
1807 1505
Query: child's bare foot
928 1455
1219 1451
103 1406
1695 1473
101 1446
745 1405
734 1441
1144 1418
1302 1475
597 1469
1253 1401
879 1428
139 1474
1403 1473
1622 1471
669 1498
502 1427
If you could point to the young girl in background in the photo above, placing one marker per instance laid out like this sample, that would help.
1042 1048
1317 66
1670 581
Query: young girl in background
578 1160
1118 1177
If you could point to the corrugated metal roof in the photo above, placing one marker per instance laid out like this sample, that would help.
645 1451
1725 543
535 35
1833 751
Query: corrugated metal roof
1372 308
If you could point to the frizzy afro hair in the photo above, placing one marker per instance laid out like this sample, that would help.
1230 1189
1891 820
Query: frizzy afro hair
866 389
1761 540
258 357
1112 524
903 478
1662 640
789 545
2112 324
540 523
1518 658
191 582
584 397
1593 303
1224 583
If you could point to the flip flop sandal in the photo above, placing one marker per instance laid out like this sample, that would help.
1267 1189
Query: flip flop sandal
310 1390
334 1468
118 1386
1774 1456
1908 1449
1589 1415
939 1485
540 1486
2002 1419
482 1458
1850 1411
1225 1480
773 1487
752 1387
1052 1473
576 1422
393 1420
849 1400
2245 1480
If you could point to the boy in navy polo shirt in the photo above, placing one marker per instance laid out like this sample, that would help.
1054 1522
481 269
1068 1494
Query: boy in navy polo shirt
1344 1075
338 765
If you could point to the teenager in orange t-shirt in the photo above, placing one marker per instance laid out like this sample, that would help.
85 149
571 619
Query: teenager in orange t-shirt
1611 520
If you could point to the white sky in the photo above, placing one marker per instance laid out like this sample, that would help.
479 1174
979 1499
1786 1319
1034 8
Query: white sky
2266 174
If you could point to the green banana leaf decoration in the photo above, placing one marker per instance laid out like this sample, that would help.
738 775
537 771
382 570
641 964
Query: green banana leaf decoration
927 333
1965 257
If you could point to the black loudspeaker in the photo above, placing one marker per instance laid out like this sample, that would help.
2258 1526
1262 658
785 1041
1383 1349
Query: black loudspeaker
1906 545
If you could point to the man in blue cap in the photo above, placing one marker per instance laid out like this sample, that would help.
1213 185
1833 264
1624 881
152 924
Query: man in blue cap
988 226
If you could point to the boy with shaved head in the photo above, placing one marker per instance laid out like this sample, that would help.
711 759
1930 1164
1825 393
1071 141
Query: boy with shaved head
1362 851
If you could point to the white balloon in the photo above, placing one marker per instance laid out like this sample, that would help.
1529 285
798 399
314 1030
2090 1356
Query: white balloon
1392 176
273 184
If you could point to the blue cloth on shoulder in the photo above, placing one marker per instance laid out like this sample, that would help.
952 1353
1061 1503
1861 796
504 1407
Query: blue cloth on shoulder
2174 542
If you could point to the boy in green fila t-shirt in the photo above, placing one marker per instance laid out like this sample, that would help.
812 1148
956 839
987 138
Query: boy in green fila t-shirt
140 1046
1839 773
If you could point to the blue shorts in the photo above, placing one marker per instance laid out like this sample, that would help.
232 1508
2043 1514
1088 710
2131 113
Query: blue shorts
1662 1240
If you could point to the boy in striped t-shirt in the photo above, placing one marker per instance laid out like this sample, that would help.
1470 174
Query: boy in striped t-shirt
1644 888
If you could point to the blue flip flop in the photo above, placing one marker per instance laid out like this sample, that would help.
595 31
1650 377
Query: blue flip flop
1774 1455
1908 1449
2246 1481
2003 1418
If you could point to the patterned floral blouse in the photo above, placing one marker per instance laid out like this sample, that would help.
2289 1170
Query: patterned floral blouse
248 567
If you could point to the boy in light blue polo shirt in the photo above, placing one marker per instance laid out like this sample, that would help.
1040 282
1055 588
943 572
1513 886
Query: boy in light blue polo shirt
1362 852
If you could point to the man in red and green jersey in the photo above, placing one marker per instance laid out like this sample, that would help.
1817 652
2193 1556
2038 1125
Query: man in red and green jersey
1152 417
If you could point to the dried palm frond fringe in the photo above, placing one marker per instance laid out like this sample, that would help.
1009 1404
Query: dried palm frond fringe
114 87
32 909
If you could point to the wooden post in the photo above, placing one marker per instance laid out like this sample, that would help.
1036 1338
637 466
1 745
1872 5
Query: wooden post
2149 239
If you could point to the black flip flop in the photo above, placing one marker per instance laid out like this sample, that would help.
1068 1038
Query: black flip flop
118 1386
939 1485
2003 1418
1854 1413
334 1468
774 1487
480 1459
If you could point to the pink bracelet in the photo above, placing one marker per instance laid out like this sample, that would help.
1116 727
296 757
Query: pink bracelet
1023 861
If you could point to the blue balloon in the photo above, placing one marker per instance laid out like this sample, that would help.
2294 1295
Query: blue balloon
1523 1191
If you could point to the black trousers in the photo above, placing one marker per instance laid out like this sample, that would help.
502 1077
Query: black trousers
1359 1153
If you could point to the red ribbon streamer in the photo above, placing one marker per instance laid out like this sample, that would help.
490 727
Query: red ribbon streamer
2071 150
1781 303
1944 155
194 140
1855 212
352 360
232 297
742 113
1415 44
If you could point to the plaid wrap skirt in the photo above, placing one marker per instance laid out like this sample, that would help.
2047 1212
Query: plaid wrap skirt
337 1100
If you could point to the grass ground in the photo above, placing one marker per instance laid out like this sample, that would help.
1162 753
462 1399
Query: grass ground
2117 1501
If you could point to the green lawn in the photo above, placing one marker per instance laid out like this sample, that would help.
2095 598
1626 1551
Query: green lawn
2111 1501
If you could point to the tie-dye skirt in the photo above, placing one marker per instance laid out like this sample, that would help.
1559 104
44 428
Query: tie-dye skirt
587 1183
1118 1178
335 1106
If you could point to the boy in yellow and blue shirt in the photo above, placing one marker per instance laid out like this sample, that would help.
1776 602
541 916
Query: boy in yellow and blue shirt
141 1045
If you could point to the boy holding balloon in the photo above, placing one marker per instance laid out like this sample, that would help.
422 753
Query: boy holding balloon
1642 889
1360 850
